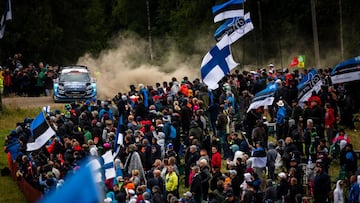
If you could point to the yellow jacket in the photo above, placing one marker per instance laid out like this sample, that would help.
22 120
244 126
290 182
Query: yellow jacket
171 181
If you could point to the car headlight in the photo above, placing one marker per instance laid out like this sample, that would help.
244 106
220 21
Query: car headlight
61 89
89 89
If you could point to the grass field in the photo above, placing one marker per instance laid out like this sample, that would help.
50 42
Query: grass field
10 116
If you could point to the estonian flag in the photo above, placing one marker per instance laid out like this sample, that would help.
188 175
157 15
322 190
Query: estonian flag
6 16
230 9
346 71
119 139
217 63
80 187
41 132
235 28
311 82
264 97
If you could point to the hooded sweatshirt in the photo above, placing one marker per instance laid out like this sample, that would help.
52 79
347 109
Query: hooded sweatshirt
338 193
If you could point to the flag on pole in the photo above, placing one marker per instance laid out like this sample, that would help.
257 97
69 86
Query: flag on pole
119 137
235 28
47 110
41 132
298 61
346 71
217 63
79 187
2 29
108 165
6 16
8 12
230 9
311 82
265 97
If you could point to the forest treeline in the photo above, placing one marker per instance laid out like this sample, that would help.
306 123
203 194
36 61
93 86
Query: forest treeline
62 31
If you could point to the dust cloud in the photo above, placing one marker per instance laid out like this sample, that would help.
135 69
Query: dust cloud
127 62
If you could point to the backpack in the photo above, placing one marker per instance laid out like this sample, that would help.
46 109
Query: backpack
335 147
172 133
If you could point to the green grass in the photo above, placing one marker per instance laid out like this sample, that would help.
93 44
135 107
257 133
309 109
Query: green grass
8 118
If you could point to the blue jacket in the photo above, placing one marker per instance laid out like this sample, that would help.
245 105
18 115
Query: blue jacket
280 115
354 193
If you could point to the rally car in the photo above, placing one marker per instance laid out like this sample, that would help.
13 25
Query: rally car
74 84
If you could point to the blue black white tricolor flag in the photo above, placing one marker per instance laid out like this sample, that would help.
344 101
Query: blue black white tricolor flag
346 71
311 82
6 16
264 97
230 9
41 132
235 28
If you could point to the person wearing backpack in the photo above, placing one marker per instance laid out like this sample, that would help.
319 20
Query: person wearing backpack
335 148
169 130
341 135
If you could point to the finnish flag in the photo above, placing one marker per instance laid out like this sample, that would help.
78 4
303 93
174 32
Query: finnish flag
217 63
108 165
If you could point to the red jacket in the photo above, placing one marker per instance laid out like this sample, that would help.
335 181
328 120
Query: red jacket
216 160
330 118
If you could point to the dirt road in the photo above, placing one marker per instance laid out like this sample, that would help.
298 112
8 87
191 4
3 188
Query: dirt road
29 102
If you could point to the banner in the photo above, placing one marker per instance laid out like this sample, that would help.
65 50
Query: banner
298 61
235 28
264 97
346 71
230 9
311 82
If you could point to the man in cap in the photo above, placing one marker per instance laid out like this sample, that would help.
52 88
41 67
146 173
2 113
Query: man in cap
280 119
189 198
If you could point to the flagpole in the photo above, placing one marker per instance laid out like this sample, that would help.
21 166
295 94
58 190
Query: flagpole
261 34
243 63
341 31
149 29
315 34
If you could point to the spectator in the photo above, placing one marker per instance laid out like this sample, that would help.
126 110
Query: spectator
280 120
354 192
338 192
270 191
171 183
322 185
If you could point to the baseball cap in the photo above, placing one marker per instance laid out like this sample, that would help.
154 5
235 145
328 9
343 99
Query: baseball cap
188 194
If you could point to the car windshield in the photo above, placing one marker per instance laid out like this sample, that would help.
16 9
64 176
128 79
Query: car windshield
75 77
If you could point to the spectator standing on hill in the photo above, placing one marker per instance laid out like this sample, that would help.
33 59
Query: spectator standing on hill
354 192
329 122
221 123
338 192
280 120
190 158
196 185
348 160
215 157
322 184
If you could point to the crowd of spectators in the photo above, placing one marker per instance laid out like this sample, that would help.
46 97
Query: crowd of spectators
221 152
32 80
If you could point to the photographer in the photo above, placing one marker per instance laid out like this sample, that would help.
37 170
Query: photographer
47 181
